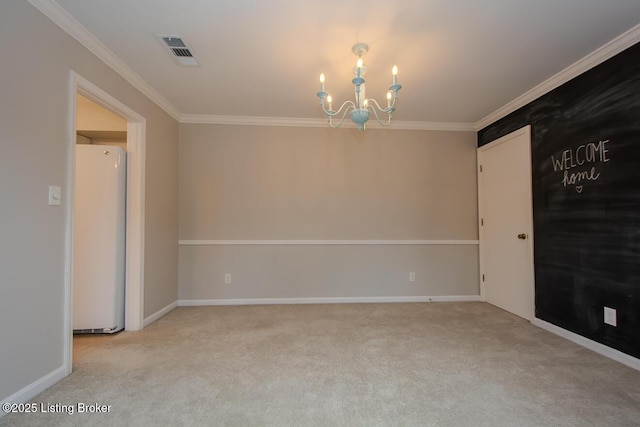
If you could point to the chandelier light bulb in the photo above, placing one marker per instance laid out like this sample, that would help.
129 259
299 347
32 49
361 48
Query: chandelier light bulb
394 70
321 77
359 63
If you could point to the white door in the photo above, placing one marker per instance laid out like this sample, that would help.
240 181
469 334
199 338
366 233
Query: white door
506 224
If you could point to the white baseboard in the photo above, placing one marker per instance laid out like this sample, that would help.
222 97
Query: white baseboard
602 349
158 314
325 300
35 388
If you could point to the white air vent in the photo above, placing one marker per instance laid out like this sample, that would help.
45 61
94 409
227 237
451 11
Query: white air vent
179 49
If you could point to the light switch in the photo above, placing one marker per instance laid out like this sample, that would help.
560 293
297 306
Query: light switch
55 195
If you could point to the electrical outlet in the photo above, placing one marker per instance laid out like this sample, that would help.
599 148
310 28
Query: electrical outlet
227 278
610 316
412 276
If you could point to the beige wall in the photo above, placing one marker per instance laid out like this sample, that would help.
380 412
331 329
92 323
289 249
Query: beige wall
235 183
327 271
91 116
100 123
33 155
272 183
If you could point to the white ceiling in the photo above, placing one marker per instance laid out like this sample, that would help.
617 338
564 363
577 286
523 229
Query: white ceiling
458 61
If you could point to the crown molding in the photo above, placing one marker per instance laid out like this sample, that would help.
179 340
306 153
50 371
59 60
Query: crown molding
598 56
52 10
251 120
443 126
316 123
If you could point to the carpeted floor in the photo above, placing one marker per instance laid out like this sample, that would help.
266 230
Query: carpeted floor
440 364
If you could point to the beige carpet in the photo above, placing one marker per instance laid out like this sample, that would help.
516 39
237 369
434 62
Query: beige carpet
441 364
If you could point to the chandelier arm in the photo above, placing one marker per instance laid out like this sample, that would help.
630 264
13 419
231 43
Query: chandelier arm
388 110
331 113
375 115
344 115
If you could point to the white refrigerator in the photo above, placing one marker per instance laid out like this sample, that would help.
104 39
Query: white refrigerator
99 243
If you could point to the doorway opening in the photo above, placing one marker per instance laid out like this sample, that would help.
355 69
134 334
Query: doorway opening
99 220
134 236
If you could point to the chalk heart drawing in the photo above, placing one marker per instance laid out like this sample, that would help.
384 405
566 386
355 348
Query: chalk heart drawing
579 188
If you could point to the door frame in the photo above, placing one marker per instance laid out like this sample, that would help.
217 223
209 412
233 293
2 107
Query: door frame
526 130
135 217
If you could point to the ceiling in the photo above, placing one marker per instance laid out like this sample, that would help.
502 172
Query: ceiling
459 61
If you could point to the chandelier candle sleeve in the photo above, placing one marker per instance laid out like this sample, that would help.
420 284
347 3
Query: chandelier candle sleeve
363 108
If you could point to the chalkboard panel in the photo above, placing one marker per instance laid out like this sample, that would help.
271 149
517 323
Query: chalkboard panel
586 200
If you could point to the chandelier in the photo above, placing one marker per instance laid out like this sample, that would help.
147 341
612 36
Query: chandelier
361 109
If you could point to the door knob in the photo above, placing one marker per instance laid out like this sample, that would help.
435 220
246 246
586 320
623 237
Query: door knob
522 236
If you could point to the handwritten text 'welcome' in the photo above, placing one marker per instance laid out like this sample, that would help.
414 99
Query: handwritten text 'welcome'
590 153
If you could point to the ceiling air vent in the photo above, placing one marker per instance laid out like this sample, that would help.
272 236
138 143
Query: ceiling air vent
179 48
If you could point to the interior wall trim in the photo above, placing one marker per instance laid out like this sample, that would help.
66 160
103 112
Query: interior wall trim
324 242
52 10
598 56
601 349
327 300
35 388
318 123
158 314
